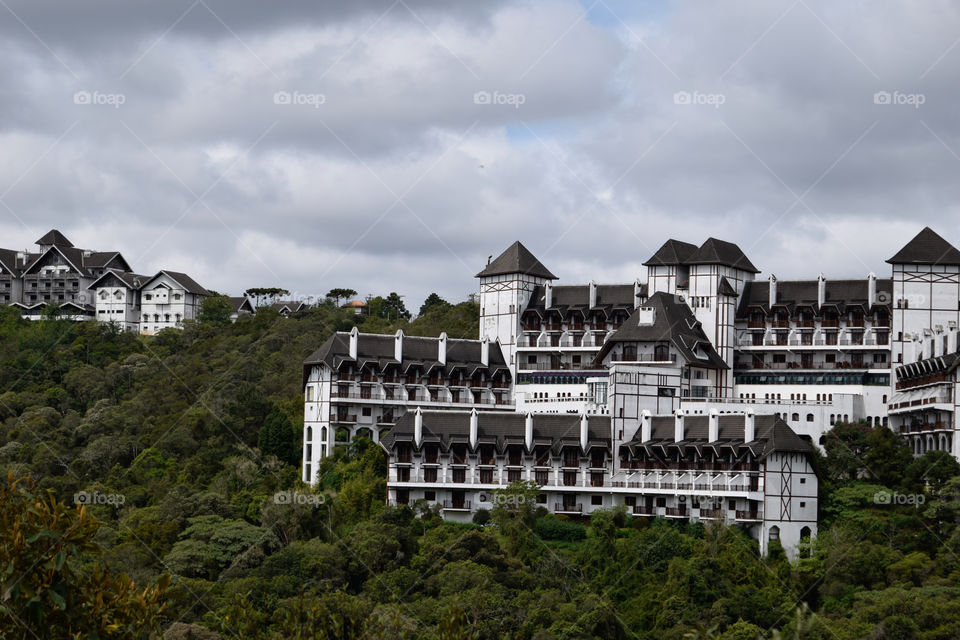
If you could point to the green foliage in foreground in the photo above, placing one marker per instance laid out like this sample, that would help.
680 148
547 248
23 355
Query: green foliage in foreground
188 443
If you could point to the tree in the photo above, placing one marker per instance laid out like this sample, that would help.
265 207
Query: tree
276 436
215 311
393 305
48 593
265 295
339 293
433 303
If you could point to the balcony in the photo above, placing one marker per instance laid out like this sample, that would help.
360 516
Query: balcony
567 508
639 510
644 357
457 505
343 418
677 512
711 514
748 515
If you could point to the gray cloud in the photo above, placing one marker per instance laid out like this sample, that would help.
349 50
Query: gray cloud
594 168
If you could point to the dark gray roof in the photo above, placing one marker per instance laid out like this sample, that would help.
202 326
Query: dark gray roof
673 252
420 351
8 260
927 247
796 293
725 288
938 365
564 297
241 303
500 428
770 431
127 279
517 259
189 284
715 251
674 322
54 237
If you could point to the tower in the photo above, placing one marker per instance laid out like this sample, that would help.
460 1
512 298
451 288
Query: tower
926 290
505 288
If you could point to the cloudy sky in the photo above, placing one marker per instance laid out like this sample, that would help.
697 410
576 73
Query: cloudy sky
394 145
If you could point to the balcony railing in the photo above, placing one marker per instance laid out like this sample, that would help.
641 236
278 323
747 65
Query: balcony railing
457 505
568 508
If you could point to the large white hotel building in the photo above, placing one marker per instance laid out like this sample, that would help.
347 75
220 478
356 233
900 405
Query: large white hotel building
697 393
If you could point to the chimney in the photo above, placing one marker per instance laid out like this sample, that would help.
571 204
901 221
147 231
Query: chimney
485 352
354 342
646 426
871 290
584 432
442 348
548 296
821 290
398 346
773 290
474 429
637 292
528 431
713 430
749 426
593 294
678 426
418 427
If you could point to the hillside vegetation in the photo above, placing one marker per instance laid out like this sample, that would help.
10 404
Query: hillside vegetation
182 451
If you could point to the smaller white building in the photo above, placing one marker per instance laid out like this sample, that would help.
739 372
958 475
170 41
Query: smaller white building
167 299
116 297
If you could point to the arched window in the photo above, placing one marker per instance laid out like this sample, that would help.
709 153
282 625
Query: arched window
103 295
146 317
118 295
795 417
774 533
166 317
177 316
809 417
309 434
156 317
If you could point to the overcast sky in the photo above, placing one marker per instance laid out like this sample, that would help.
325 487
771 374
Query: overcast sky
385 146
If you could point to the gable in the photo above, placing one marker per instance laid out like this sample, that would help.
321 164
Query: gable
52 260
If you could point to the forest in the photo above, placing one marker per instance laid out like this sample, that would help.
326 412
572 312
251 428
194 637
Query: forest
151 489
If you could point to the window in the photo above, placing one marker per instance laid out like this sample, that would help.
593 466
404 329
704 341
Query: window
366 411
795 417
430 496
780 358
810 417
803 481
803 504
596 501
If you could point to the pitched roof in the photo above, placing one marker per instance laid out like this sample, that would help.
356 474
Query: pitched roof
927 247
673 322
129 280
771 434
418 351
725 288
577 296
715 251
189 284
944 364
240 303
672 252
54 237
500 428
516 259
795 293
8 260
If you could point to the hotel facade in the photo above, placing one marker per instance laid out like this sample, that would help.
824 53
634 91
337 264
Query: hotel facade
698 392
